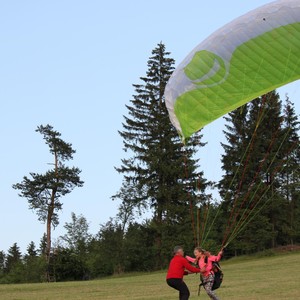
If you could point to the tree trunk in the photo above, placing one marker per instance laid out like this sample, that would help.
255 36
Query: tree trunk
48 248
158 239
49 220
292 208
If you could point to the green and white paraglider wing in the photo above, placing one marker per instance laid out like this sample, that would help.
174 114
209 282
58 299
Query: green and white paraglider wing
250 56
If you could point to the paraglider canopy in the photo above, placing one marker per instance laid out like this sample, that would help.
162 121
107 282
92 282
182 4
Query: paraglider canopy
252 55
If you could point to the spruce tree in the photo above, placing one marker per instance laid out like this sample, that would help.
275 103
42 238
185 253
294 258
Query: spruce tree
233 160
266 161
290 174
33 264
31 250
154 172
251 161
13 257
2 263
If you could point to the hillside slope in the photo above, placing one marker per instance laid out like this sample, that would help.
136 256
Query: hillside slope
265 278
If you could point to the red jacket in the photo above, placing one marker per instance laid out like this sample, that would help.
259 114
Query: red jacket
177 267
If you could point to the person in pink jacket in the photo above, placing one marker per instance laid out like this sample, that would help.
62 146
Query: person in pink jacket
205 261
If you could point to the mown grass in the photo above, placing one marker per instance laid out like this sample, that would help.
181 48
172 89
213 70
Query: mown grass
275 277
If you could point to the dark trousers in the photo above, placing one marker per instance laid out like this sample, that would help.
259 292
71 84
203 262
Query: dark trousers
179 285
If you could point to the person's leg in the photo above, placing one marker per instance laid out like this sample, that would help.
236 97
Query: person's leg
208 283
179 285
184 293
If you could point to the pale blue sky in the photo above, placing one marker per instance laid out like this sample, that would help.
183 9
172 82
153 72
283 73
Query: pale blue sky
72 64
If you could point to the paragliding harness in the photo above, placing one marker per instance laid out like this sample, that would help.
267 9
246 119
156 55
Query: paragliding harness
217 279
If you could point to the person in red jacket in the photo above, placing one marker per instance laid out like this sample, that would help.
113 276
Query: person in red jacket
179 266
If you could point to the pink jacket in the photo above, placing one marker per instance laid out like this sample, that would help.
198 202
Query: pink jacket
206 267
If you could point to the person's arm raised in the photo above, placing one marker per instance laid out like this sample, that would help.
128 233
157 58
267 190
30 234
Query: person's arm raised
189 267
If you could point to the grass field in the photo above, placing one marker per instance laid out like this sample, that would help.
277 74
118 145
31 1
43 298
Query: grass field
275 277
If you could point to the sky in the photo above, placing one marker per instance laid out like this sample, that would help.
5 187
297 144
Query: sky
72 64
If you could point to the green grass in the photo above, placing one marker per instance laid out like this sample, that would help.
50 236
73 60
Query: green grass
275 277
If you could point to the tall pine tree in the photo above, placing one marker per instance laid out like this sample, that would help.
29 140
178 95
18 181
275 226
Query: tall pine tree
233 160
159 173
250 186
44 191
